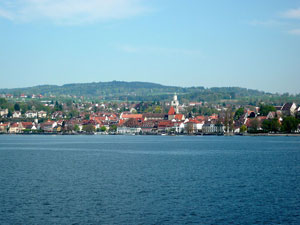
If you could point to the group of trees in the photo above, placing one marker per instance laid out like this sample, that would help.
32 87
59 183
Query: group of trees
89 128
288 125
265 109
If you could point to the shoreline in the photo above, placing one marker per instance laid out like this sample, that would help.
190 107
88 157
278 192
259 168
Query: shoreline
244 134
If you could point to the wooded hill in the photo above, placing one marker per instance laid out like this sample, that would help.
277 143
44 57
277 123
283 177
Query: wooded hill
145 91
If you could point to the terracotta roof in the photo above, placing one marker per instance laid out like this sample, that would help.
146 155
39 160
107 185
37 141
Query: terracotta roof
121 122
171 111
179 117
132 116
14 125
213 116
200 118
148 123
132 122
194 121
165 123
27 125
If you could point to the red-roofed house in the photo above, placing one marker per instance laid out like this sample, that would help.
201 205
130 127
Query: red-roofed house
48 126
197 125
15 128
28 125
4 127
149 126
213 117
200 118
127 116
165 125
179 117
171 113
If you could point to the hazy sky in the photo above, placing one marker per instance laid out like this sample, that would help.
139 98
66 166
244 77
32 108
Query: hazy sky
253 44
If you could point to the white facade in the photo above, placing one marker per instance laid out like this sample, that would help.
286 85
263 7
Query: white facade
17 114
31 114
212 129
175 103
3 112
42 114
128 130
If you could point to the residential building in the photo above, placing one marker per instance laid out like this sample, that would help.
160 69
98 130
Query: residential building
289 109
17 114
31 114
4 127
3 112
210 128
154 116
42 114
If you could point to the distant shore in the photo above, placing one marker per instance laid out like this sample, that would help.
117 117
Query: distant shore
242 134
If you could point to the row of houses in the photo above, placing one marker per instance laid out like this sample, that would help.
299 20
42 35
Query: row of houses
33 96
126 123
29 114
148 123
172 122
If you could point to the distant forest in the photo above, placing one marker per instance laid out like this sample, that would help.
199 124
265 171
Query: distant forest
144 91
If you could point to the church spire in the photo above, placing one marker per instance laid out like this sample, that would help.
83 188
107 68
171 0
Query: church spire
175 103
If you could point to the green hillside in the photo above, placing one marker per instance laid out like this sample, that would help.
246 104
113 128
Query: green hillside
144 91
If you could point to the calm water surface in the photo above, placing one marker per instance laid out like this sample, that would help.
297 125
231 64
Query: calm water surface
149 180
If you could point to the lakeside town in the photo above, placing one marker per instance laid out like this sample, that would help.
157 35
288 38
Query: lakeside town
37 114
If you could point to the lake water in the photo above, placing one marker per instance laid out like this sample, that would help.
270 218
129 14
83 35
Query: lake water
149 180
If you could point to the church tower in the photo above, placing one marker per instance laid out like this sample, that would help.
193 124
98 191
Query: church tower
175 103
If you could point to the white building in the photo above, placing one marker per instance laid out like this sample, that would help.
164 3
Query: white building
42 114
16 114
30 114
128 130
3 112
213 129
175 103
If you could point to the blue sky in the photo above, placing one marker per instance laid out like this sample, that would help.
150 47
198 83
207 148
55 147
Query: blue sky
253 44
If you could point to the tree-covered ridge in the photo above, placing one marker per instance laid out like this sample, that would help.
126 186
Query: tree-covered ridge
143 91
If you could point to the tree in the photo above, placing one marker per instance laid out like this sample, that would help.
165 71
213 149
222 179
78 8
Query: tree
157 109
271 125
87 116
89 128
9 114
17 107
243 128
103 129
230 123
265 109
254 124
238 113
275 125
73 113
289 124
76 128
113 128
190 127
3 102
